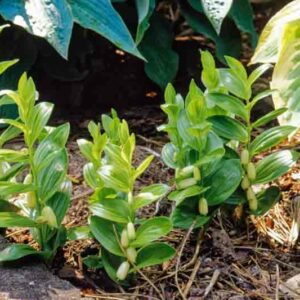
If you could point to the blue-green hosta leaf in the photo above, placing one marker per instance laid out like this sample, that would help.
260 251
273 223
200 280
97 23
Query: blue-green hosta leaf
145 9
275 165
156 47
16 251
51 20
101 17
216 11
154 254
151 230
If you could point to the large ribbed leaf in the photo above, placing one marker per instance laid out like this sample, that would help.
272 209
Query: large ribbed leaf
216 11
101 17
51 20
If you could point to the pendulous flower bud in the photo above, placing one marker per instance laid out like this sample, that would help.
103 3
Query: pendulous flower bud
123 270
250 194
131 254
131 231
30 199
251 171
124 238
130 198
186 171
245 183
197 174
185 183
253 204
49 215
203 206
245 157
28 179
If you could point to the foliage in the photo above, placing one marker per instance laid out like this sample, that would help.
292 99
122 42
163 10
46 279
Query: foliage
127 242
44 193
212 149
53 20
279 43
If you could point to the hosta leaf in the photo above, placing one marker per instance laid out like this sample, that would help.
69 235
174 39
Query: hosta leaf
154 254
51 20
16 251
145 9
151 230
12 219
275 165
229 128
162 61
270 138
101 17
216 11
105 232
269 47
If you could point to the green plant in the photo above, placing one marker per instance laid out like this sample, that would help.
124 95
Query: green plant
128 242
212 147
279 44
43 196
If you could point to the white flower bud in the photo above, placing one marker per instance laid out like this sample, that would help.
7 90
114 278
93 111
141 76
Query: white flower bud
124 238
123 270
28 179
30 199
245 157
185 183
250 194
131 254
251 171
186 171
49 215
203 206
245 183
131 231
197 174
253 204
130 198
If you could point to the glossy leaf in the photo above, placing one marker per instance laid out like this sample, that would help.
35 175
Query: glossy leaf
270 138
12 219
229 128
275 165
151 230
101 17
269 117
15 252
154 254
105 232
59 203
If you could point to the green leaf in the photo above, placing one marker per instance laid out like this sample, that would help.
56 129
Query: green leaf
270 138
149 194
12 171
93 261
143 166
101 17
151 230
229 128
162 61
103 231
59 203
223 182
9 155
12 219
79 233
6 206
145 8
266 200
167 153
51 20
91 176
258 72
216 11
180 196
154 254
10 188
229 103
116 210
16 251
4 65
269 117
8 134
275 165
86 149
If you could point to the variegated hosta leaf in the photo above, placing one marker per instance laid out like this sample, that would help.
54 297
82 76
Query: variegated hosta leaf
270 43
286 75
216 11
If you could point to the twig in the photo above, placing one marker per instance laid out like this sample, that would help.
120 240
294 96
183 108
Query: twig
192 277
277 283
150 141
213 280
82 195
154 153
179 258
